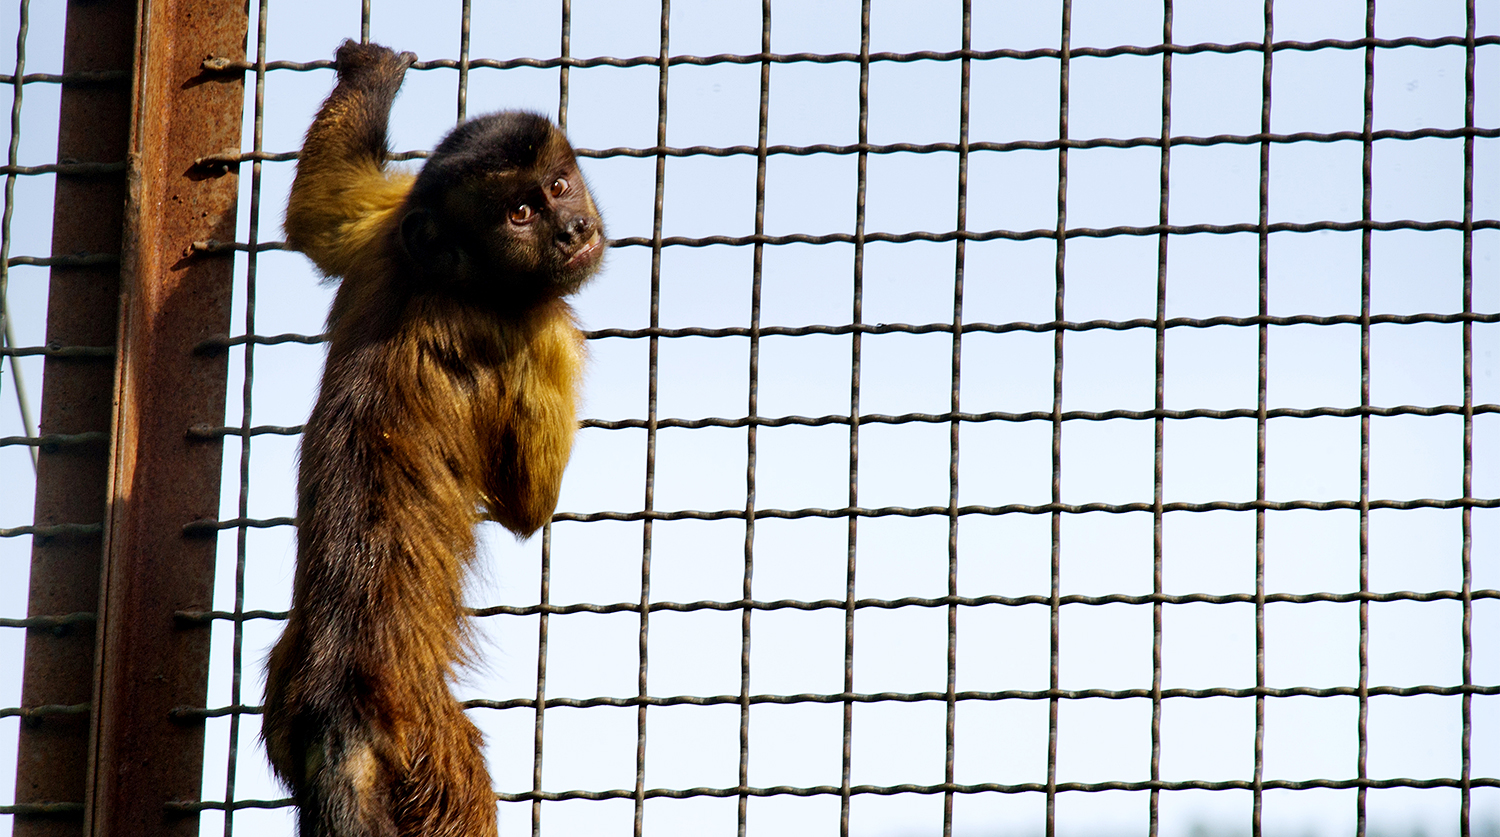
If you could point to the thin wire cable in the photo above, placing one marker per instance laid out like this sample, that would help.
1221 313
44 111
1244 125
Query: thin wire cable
897 238
752 410
651 418
856 316
247 393
1059 269
852 58
1263 337
1153 824
18 381
224 341
203 527
187 712
891 790
950 733
7 331
642 152
199 617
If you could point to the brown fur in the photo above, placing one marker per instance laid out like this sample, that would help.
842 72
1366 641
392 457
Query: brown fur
453 365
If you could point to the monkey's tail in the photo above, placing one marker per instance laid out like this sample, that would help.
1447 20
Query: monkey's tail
445 790
358 782
345 786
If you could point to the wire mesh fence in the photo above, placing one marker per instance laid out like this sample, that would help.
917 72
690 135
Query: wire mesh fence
1069 419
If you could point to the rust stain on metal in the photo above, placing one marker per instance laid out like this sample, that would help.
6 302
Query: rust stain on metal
161 478
82 310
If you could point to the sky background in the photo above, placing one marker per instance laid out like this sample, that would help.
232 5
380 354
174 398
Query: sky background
904 649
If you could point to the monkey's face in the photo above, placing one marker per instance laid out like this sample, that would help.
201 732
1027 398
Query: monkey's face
540 221
520 233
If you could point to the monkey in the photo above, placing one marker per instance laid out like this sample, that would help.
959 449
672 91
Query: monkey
448 396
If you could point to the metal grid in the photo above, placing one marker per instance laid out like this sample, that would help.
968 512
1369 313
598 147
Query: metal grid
235 620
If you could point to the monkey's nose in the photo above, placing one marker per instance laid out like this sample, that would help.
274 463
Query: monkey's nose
573 231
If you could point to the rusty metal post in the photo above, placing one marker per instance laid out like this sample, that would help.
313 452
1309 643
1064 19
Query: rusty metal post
82 310
161 479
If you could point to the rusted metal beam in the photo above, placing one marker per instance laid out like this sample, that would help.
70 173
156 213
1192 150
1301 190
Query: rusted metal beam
82 310
161 479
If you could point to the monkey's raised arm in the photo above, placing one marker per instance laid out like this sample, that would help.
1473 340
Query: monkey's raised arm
343 198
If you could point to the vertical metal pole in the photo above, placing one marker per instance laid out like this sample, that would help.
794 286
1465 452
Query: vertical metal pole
82 310
960 252
1160 441
651 417
565 51
752 411
247 402
1055 681
1466 554
463 62
1263 237
541 683
1367 215
856 345
545 594
160 479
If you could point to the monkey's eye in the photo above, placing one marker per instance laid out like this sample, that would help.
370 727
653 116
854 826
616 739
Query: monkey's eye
559 187
522 214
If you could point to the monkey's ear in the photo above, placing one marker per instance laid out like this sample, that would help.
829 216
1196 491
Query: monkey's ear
434 253
420 236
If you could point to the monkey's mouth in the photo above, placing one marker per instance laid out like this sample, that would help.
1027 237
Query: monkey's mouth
587 252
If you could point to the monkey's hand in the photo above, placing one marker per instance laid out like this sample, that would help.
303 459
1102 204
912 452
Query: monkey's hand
360 64
351 125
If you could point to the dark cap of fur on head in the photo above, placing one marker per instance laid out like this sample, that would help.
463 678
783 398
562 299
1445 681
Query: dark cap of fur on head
496 142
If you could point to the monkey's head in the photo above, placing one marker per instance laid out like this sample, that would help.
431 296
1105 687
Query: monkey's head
501 211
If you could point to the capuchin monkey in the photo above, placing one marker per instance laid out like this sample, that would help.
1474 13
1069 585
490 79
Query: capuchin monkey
448 397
